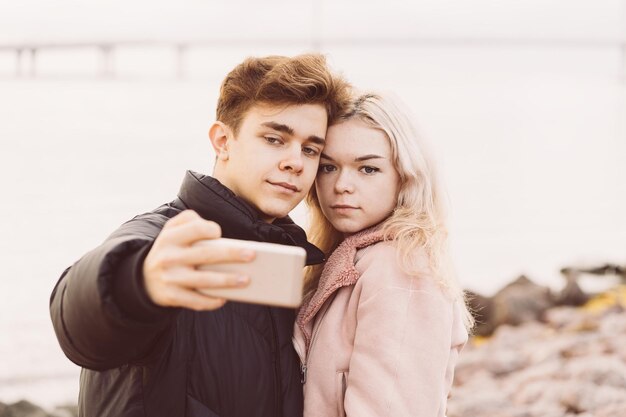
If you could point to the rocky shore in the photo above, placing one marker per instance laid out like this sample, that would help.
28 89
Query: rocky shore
27 409
567 361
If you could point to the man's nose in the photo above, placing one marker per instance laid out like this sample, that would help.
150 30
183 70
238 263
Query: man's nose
292 161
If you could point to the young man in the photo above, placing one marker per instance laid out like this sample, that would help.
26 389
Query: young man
128 312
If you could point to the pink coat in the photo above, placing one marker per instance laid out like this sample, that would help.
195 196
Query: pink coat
375 341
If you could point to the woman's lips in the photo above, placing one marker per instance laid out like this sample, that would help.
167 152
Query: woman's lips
343 208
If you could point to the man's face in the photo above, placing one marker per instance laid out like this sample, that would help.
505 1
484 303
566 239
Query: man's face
273 160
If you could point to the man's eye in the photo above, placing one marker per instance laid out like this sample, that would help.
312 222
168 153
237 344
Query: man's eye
326 168
369 170
272 140
310 151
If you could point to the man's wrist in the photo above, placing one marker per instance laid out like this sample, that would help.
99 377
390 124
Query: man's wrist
129 290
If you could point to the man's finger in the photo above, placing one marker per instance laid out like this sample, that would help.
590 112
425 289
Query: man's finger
187 298
198 255
191 231
181 218
195 279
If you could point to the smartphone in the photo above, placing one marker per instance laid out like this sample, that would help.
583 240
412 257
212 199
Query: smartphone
276 273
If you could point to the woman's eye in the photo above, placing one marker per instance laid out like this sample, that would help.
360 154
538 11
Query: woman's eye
369 170
325 168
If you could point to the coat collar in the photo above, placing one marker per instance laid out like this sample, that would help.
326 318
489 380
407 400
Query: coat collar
339 271
213 201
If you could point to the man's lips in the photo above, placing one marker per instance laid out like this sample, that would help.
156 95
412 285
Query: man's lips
286 186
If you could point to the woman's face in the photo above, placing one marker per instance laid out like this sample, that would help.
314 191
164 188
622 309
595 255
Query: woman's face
357 184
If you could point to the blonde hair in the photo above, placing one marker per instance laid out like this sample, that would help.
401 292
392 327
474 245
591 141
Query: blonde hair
419 219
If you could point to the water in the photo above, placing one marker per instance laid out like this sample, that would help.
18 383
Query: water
531 143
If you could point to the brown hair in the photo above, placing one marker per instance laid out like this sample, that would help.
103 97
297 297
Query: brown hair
281 80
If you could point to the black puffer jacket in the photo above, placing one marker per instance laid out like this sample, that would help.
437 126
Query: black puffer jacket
143 360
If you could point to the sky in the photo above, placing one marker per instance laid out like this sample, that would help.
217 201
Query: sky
47 20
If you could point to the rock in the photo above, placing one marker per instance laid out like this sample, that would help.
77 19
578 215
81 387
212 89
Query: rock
533 374
22 409
518 302
601 370
27 409
611 410
65 411
521 301
571 294
591 398
484 402
514 337
599 278
613 324
561 317
606 269
505 362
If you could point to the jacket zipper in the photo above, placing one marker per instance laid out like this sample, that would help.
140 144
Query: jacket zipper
316 329
302 361
276 362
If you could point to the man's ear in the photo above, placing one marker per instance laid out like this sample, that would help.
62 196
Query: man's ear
220 134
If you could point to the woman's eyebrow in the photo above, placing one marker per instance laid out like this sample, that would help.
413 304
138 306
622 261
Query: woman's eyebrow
366 157
359 159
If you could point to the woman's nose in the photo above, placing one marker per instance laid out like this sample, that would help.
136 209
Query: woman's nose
344 183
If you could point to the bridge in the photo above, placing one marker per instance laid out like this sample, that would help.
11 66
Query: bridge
26 52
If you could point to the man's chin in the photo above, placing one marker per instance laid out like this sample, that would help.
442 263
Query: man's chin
276 212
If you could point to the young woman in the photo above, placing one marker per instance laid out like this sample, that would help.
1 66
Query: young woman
382 324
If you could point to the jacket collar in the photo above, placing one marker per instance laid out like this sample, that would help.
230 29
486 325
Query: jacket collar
213 201
338 272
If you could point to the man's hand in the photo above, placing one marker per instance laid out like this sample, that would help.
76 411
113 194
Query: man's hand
170 273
